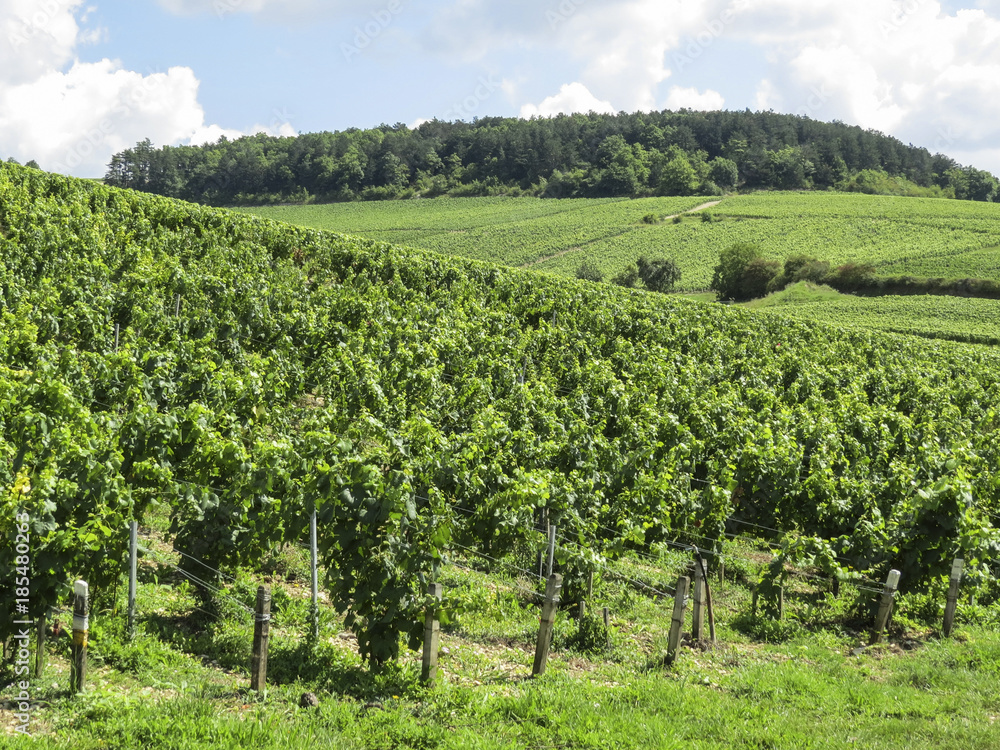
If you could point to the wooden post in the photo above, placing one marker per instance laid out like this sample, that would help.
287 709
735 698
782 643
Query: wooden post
40 626
314 566
261 630
133 545
78 648
698 613
432 638
677 620
543 526
949 611
722 570
547 621
177 307
116 337
551 556
885 606
590 585
781 603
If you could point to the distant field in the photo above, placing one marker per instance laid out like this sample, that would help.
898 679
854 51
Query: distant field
509 231
959 319
914 236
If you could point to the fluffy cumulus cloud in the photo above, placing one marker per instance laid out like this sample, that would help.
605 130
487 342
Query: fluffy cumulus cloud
921 70
926 71
691 98
572 97
72 116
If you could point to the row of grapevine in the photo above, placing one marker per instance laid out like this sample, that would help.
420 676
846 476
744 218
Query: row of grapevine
900 236
420 402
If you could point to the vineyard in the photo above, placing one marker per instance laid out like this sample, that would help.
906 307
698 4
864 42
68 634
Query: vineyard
232 374
899 236
954 318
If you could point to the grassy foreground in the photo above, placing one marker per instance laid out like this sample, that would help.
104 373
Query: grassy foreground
182 683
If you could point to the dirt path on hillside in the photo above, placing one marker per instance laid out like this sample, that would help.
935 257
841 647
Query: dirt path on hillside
569 250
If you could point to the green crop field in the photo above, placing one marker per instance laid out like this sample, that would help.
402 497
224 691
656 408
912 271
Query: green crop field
218 378
955 318
915 236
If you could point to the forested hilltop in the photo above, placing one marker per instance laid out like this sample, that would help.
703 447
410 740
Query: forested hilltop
594 155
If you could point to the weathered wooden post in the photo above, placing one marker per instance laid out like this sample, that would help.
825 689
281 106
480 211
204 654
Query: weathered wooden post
551 555
261 631
133 544
677 619
314 566
78 648
885 605
432 637
698 612
949 611
545 627
40 628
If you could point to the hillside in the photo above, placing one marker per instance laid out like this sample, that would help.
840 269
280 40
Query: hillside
216 376
897 236
247 344
569 156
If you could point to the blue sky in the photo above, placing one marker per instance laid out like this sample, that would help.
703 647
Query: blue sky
81 80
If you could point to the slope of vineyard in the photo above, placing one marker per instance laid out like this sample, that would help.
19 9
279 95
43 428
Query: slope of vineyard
899 236
955 318
241 371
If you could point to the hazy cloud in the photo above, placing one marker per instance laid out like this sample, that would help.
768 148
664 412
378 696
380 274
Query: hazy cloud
572 97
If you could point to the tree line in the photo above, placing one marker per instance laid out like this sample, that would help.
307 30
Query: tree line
592 155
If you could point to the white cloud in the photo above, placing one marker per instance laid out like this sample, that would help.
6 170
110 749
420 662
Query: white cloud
72 117
572 97
691 98
35 37
917 69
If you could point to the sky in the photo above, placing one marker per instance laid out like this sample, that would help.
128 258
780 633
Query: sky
83 79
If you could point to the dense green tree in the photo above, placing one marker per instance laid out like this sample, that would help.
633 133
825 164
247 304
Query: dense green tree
742 273
678 178
660 275
724 173
569 155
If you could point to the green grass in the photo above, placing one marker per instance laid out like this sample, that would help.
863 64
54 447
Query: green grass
795 684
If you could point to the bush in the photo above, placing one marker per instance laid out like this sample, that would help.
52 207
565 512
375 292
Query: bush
628 278
587 271
650 219
742 273
659 275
